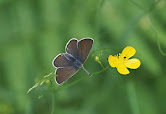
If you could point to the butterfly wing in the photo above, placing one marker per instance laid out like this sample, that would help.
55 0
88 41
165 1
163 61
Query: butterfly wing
79 49
63 74
72 47
61 61
84 47
65 67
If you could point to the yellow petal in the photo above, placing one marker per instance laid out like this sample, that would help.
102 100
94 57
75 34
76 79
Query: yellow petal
122 69
128 52
133 63
113 61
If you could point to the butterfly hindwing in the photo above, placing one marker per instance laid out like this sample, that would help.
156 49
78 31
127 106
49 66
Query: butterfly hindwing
63 74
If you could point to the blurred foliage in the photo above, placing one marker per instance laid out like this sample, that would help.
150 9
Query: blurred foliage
33 32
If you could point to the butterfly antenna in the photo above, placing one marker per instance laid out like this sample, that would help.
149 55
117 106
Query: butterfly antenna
86 71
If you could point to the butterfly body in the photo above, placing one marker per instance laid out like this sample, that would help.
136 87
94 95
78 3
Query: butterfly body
67 64
78 64
73 60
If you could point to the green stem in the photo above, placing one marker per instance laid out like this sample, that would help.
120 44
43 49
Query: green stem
101 64
153 28
53 98
132 97
100 71
157 38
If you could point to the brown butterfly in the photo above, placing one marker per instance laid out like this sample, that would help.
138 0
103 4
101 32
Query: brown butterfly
67 64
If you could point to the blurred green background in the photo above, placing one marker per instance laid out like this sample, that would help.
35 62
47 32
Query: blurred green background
33 32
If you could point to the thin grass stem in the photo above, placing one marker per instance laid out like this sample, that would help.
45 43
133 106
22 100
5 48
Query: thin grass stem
53 98
132 96
157 38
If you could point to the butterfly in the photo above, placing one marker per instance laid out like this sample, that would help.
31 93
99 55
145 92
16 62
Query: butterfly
67 64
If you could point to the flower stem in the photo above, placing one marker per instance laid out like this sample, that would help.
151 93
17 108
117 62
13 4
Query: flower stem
100 71
101 64
132 97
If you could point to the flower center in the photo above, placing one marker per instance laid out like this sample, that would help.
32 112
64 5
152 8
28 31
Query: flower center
122 58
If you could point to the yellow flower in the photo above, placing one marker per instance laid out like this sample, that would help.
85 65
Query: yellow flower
122 62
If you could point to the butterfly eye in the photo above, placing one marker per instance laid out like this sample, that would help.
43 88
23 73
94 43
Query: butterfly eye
124 57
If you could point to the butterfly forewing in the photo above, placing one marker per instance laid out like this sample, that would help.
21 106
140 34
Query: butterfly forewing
62 74
61 61
84 47
71 47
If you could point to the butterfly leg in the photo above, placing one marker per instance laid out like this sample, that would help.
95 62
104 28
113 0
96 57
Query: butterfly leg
85 70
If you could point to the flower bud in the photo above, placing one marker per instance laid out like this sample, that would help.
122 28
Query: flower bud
96 58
